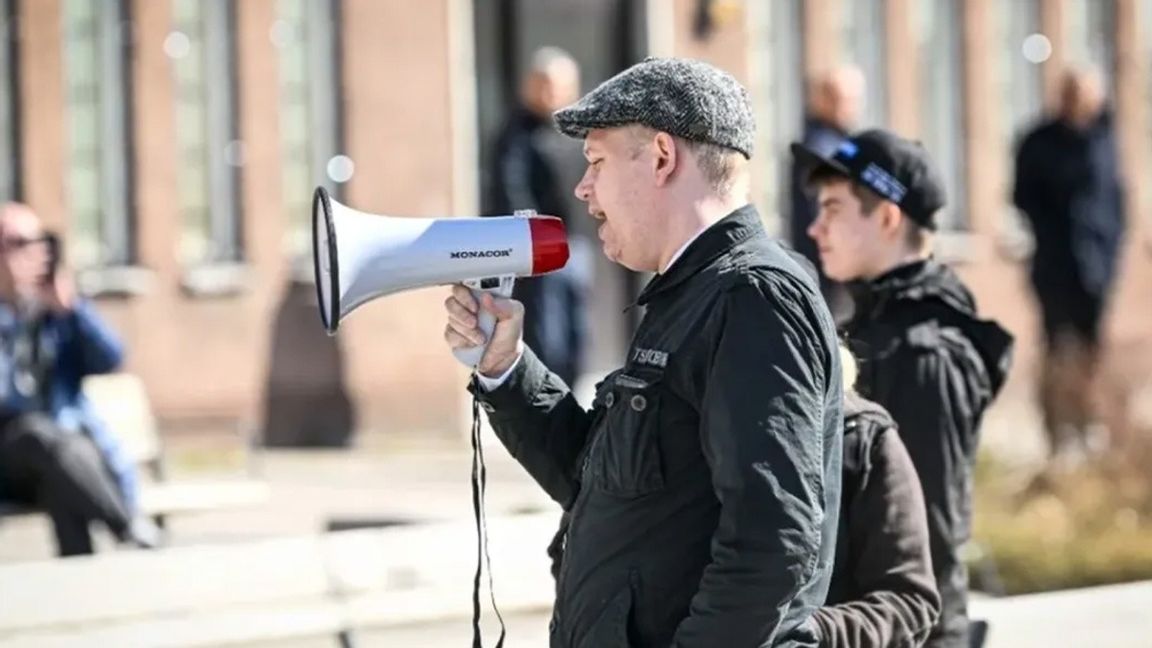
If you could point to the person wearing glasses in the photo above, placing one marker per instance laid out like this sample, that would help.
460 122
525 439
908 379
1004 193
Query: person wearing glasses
54 452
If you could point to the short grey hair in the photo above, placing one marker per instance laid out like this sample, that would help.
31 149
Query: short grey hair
718 164
544 58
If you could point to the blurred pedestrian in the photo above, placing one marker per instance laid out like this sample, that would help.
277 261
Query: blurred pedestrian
1069 186
529 174
55 452
835 100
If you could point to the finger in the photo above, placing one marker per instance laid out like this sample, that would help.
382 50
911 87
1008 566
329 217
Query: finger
463 295
458 313
458 340
471 335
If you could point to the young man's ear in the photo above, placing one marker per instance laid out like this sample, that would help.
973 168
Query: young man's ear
891 219
665 158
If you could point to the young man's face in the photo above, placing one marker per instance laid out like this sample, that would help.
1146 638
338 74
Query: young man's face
851 242
618 188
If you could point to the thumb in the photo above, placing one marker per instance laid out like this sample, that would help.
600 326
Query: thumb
501 308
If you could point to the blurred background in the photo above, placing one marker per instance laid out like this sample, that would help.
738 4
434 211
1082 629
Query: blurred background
175 145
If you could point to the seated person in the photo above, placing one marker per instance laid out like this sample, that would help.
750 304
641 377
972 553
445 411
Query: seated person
883 592
54 452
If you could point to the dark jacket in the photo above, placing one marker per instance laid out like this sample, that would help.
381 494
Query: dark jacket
703 486
929 360
1068 184
883 593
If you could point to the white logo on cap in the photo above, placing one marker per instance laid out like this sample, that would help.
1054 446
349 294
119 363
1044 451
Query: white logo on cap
883 183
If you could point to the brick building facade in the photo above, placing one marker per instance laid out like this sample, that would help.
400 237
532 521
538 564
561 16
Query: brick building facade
177 142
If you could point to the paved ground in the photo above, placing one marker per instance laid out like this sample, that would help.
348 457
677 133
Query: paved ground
1116 617
313 490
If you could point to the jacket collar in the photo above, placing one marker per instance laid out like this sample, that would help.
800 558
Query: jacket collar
718 239
936 287
912 282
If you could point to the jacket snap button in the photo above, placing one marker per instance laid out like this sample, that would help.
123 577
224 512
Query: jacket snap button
639 403
610 399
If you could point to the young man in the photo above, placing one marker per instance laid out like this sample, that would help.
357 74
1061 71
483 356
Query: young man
925 355
703 487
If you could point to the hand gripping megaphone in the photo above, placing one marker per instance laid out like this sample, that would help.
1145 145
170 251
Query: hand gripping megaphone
359 256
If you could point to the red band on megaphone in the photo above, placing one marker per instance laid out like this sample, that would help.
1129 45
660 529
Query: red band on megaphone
549 244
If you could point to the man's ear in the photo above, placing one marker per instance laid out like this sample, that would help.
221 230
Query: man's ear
891 219
665 158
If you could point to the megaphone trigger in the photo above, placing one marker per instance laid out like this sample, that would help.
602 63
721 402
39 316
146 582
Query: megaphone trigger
486 321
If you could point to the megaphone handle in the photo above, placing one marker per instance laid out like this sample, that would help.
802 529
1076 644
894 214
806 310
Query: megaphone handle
499 287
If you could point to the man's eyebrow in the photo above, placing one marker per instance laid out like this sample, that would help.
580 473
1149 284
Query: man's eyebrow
829 202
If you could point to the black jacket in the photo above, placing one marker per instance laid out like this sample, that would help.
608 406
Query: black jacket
929 360
883 593
1068 184
703 486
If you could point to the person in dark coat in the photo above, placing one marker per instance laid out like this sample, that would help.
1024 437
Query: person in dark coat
925 354
883 593
1069 186
529 173
834 104
702 489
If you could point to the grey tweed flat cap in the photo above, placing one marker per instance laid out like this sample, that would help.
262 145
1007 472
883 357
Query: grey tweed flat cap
683 97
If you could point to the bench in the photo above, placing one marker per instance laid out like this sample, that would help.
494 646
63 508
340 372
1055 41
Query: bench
121 400
272 590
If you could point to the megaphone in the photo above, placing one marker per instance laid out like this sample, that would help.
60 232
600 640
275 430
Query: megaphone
358 256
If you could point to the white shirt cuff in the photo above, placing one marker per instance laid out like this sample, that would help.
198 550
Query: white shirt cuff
492 383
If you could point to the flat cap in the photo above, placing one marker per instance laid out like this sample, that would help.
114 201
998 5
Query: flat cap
682 97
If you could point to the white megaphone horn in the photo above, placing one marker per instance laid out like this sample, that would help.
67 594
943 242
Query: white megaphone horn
359 256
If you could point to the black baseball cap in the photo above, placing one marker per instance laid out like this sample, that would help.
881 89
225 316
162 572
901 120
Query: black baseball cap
896 169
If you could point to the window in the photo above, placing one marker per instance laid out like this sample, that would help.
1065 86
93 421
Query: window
98 122
202 46
1144 13
305 33
865 31
1025 48
9 103
942 101
1091 36
782 59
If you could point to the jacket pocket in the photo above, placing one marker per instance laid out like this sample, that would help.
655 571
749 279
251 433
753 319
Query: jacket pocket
611 628
626 458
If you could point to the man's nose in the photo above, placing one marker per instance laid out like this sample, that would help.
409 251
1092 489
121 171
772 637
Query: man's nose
814 229
583 189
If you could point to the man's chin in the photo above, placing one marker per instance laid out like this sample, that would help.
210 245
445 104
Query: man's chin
836 274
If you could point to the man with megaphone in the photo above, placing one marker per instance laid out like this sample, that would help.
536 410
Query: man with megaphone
702 489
